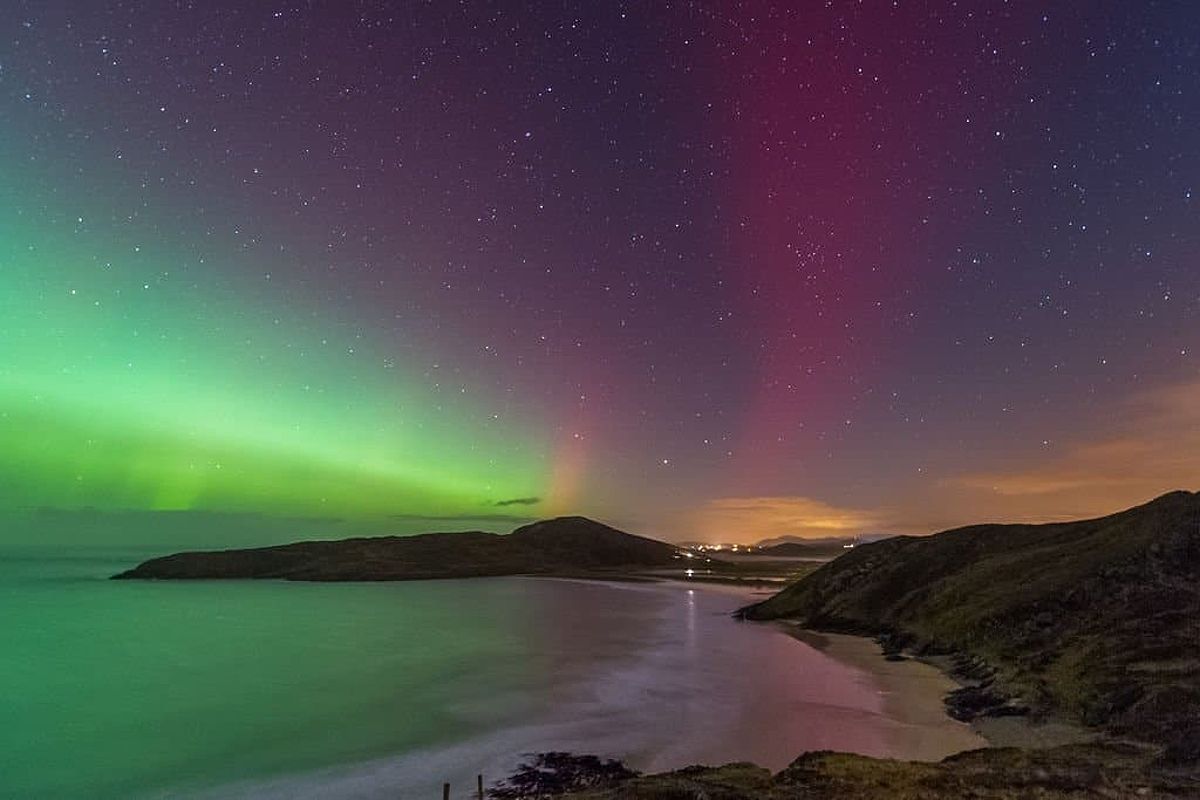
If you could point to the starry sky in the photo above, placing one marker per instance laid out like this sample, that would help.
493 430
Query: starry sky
710 270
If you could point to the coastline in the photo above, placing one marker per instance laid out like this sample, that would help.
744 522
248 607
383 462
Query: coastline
912 692
913 689
908 682
705 725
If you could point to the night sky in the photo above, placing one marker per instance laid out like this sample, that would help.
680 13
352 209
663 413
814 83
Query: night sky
705 270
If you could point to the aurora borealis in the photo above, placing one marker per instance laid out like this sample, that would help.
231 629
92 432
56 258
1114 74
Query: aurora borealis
706 270
132 385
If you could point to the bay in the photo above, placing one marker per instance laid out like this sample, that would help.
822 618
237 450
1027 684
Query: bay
277 689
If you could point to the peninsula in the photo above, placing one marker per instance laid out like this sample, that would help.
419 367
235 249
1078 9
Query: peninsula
559 546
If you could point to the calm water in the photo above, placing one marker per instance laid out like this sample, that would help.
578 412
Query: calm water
118 689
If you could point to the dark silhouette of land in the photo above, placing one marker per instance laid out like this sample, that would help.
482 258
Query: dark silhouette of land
1079 772
821 551
561 546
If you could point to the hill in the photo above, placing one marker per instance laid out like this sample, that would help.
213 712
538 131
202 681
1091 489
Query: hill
565 545
1097 620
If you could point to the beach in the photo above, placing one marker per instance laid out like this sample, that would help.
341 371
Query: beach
914 689
912 692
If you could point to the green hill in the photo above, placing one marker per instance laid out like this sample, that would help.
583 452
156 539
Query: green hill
1097 620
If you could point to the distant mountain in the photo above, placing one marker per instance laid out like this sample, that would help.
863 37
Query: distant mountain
1098 620
565 545
830 541
803 550
823 541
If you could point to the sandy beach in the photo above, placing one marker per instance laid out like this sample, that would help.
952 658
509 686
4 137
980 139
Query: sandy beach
912 694
914 689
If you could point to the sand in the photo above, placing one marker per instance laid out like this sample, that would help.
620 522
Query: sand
912 693
914 690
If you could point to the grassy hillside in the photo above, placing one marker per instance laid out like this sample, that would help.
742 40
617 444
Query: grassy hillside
1098 620
561 545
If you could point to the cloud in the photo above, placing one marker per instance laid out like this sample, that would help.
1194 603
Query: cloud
1094 466
748 519
1151 447
518 501
463 518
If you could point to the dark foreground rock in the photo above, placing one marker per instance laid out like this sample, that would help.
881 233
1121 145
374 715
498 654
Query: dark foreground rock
1097 621
1073 772
564 545
972 702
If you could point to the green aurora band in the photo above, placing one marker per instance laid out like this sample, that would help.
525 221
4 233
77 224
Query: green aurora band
136 375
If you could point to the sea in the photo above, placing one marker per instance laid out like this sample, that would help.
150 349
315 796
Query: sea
272 689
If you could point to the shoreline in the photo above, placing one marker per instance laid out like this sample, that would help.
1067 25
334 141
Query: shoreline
555 732
912 693
913 718
897 677
913 688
